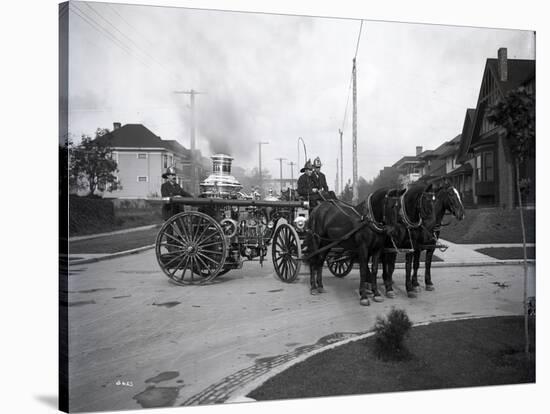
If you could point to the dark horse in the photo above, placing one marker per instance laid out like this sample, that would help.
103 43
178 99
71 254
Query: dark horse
416 206
335 220
447 199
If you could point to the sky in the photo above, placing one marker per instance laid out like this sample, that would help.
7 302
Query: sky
275 78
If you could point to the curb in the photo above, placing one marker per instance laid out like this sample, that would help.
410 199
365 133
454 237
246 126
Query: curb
112 233
241 395
400 266
109 256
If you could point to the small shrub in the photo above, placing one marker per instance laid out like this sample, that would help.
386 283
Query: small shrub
390 334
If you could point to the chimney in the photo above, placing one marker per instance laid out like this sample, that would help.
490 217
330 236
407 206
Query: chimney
503 64
116 125
418 150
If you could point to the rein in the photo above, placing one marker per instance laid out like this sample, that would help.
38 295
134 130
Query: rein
333 202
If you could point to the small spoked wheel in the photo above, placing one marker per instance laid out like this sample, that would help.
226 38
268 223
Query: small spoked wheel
340 266
191 248
286 252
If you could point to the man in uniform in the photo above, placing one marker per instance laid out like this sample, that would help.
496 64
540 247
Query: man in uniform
170 188
307 185
318 176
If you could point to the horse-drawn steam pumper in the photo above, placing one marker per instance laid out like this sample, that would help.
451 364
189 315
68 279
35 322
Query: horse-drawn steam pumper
223 227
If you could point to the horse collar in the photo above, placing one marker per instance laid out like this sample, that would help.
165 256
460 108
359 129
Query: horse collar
404 216
370 216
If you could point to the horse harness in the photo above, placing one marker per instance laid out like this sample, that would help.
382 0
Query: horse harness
409 224
365 220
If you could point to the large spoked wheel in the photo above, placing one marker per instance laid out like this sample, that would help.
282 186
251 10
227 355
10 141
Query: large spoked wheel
286 252
340 266
191 248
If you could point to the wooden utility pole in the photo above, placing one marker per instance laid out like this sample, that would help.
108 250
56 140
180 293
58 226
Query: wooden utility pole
281 171
292 164
337 179
260 165
355 192
341 175
193 144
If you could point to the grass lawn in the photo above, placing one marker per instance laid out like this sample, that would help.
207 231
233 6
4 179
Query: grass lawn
464 353
489 225
115 243
503 253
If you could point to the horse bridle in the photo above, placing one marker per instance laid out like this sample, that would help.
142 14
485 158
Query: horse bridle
408 222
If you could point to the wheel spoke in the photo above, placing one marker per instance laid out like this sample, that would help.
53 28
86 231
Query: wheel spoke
216 243
185 268
211 251
207 258
177 230
178 266
196 228
185 224
173 260
293 264
173 245
209 237
206 227
173 238
204 265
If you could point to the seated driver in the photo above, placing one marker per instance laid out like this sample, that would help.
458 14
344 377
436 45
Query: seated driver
170 188
308 186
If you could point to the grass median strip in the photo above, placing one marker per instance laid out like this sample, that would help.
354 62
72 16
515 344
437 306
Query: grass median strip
505 253
487 351
115 243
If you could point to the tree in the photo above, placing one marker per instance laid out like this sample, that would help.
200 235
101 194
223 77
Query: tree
388 177
364 188
347 194
91 165
515 113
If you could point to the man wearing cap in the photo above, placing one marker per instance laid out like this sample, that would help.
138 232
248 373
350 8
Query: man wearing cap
318 176
307 185
170 188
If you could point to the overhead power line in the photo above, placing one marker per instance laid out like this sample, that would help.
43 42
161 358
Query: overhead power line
351 76
99 28
358 39
136 46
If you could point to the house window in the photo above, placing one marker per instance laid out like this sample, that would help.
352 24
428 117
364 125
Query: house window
485 170
142 179
165 161
142 156
488 168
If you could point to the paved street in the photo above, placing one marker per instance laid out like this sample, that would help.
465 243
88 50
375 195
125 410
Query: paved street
137 340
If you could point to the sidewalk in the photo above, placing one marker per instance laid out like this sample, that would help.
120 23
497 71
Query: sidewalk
132 241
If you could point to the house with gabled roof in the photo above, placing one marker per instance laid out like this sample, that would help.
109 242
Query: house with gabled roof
483 146
409 167
142 157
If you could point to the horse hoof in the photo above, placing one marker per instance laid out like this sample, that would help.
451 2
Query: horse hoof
430 287
378 298
321 290
416 289
412 294
365 302
314 292
390 294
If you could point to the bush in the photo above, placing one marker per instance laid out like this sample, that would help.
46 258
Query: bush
390 334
